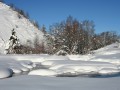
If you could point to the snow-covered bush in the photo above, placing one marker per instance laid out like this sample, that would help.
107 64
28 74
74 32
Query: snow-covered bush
63 50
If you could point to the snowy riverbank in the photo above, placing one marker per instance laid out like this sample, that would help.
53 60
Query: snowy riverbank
98 71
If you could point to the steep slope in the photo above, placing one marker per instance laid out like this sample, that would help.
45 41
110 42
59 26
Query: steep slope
24 29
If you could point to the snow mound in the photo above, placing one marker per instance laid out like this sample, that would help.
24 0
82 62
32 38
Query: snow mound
43 72
27 64
109 71
18 67
48 63
16 70
74 70
5 73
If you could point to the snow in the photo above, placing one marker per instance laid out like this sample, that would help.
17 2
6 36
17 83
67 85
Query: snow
5 72
105 61
25 31
16 70
26 82
98 71
55 57
43 72
108 71
27 64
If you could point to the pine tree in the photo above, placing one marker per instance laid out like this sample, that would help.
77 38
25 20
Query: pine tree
14 45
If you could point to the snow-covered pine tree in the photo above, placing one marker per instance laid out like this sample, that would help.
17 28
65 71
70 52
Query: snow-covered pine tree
13 44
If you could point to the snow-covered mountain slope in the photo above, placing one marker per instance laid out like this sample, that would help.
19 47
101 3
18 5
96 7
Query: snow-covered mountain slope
24 29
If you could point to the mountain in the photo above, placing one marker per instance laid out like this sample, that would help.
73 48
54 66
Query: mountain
24 29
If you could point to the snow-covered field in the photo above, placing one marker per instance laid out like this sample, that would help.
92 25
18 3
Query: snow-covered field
98 71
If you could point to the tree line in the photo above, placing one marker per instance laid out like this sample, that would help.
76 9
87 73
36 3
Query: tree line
68 37
78 37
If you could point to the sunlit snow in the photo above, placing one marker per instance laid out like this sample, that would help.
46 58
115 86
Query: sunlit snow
97 71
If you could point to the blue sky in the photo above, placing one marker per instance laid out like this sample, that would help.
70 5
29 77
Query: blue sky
104 13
